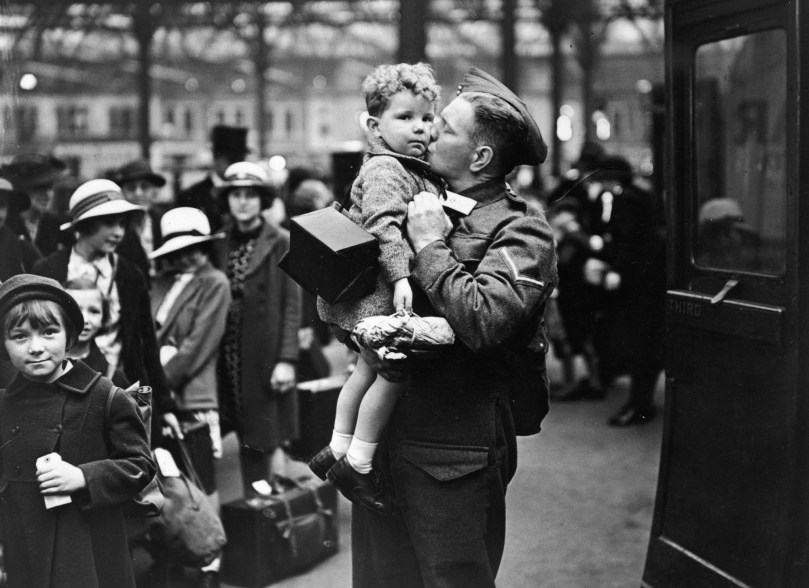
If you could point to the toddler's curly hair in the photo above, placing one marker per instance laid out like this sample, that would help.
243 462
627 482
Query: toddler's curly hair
387 80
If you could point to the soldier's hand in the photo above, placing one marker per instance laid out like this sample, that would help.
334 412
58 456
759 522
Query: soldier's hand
426 220
391 370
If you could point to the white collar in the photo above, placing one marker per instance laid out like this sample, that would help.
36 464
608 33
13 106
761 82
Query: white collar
102 265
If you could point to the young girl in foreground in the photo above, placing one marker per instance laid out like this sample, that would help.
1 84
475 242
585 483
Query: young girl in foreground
64 477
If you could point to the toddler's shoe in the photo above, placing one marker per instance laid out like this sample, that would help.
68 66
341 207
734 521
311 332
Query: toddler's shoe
362 489
322 462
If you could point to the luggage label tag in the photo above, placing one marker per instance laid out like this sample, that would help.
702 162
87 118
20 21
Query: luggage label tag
166 463
458 203
262 487
52 500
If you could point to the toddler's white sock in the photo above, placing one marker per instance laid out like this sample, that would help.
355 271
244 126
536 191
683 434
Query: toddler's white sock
339 443
360 455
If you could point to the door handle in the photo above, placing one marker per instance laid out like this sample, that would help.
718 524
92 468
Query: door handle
729 285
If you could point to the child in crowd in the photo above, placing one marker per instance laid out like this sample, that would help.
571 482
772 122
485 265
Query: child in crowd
96 311
64 478
402 101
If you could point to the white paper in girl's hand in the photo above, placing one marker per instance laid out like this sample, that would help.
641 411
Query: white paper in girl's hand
52 500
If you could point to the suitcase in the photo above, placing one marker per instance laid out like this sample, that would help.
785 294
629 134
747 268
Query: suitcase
331 257
317 403
272 537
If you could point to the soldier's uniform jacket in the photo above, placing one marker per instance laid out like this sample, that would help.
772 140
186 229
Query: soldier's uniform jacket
490 279
495 270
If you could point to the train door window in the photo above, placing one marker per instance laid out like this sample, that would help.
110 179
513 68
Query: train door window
740 141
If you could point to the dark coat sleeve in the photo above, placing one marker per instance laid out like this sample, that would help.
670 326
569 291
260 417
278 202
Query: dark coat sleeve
29 255
162 398
290 321
129 467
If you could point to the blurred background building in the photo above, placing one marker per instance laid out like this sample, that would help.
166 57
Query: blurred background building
100 83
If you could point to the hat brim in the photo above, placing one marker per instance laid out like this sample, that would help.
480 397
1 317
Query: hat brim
154 178
40 181
230 185
117 206
182 242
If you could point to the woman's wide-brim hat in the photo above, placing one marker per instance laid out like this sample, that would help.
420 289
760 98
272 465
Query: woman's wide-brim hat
9 196
24 287
33 171
245 174
98 198
183 227
138 170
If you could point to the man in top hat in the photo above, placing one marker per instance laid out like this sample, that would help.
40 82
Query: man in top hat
451 444
35 174
99 215
141 186
17 255
228 146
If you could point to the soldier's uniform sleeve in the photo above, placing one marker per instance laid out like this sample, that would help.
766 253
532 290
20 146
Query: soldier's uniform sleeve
489 287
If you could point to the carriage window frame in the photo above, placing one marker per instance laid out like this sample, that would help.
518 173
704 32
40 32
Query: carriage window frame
749 127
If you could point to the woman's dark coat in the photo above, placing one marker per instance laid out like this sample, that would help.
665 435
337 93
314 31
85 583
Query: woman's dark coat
17 255
272 316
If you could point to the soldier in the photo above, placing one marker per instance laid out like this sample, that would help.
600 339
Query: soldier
451 445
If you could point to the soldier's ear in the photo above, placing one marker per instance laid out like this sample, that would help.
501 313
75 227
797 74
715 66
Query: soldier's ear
481 158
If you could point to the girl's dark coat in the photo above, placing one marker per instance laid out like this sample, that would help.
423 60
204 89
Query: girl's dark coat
116 466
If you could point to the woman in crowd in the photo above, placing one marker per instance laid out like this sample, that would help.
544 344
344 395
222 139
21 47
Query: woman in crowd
99 214
35 174
190 301
260 346
17 255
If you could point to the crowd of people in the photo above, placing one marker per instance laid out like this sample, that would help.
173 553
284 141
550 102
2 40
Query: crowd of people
609 306
189 300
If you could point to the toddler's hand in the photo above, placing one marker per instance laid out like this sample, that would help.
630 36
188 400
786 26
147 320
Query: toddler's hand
60 477
402 295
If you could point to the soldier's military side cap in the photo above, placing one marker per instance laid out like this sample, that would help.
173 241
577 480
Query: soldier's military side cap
477 80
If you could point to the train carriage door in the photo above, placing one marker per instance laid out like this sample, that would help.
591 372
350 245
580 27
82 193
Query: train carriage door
730 487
